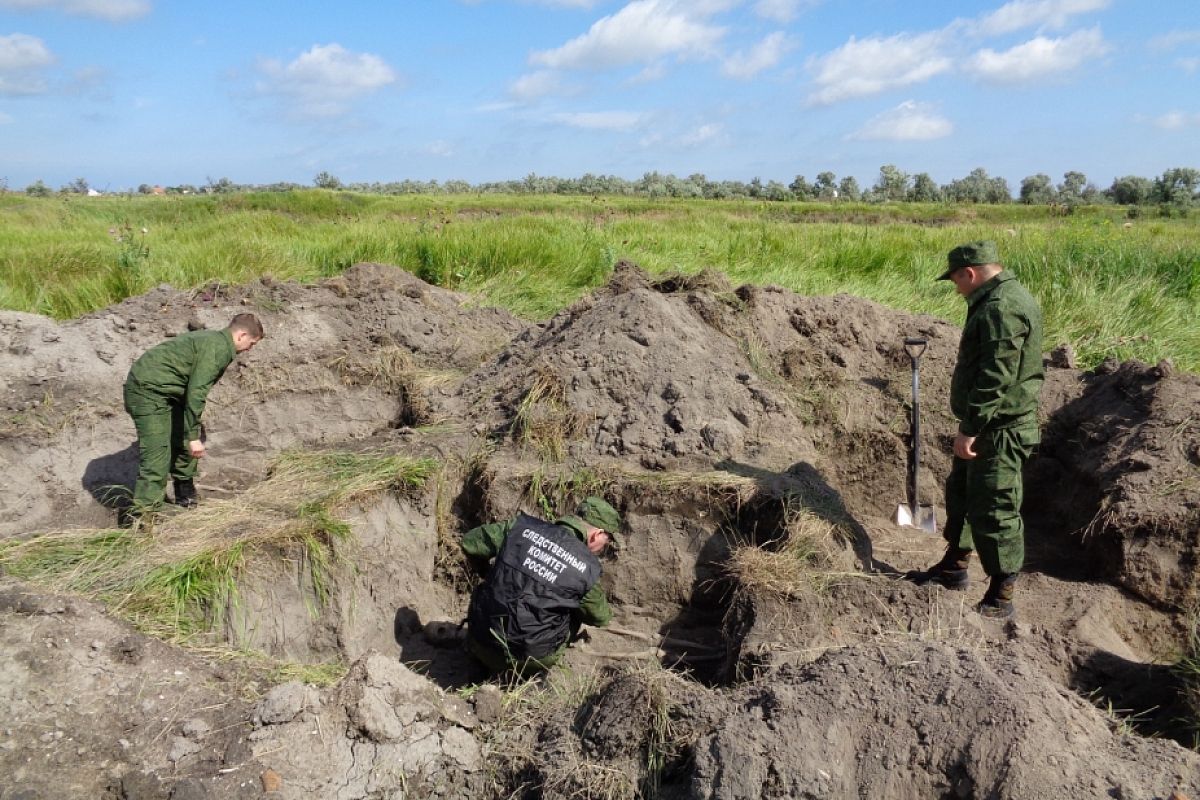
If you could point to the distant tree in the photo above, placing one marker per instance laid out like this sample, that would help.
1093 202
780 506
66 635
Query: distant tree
37 189
826 186
978 187
776 191
848 189
1070 191
1037 190
220 186
1177 187
891 185
1130 190
326 181
145 188
801 189
77 186
924 189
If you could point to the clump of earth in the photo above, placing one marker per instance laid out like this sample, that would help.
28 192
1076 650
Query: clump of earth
726 424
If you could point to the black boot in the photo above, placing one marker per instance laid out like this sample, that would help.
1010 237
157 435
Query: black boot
997 601
185 494
950 572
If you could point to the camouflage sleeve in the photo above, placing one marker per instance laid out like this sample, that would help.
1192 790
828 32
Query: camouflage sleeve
480 545
210 365
1002 336
593 609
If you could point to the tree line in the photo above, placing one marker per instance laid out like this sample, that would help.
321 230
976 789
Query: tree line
1175 189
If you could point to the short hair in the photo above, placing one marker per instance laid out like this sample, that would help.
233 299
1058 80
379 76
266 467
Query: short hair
247 323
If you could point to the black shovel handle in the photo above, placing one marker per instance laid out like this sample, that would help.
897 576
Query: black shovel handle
915 348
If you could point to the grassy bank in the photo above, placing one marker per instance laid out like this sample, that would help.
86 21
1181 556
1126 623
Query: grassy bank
1109 288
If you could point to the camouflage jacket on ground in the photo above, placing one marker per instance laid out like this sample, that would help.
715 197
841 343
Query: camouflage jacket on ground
483 543
184 369
998 375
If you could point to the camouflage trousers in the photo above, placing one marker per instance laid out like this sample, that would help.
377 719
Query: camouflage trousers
983 499
162 445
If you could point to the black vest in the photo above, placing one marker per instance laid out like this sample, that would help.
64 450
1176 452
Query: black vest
540 576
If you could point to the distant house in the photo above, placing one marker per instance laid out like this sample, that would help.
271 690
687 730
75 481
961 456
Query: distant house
93 193
158 190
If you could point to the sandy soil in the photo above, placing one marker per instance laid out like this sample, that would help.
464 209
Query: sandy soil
709 414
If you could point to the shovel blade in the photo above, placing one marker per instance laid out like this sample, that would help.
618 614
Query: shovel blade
924 519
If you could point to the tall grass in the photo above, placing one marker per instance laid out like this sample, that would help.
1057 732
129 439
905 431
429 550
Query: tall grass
1107 289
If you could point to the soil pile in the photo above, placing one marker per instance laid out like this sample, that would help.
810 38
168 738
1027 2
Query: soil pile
342 361
718 420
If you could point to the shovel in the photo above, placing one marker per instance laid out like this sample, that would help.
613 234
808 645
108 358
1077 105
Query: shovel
914 514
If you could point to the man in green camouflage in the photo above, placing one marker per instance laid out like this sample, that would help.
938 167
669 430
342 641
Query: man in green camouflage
165 393
540 589
994 395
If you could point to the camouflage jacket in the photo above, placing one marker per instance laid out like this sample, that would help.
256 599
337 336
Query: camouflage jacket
998 376
184 369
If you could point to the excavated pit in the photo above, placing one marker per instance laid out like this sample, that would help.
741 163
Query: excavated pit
740 431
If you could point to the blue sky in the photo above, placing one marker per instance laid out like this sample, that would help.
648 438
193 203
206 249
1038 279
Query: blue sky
124 92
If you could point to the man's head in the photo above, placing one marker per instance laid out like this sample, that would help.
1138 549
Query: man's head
246 331
971 265
604 522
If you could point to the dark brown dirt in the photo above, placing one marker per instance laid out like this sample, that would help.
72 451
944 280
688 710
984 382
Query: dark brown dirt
708 414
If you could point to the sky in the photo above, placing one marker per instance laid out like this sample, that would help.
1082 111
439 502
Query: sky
129 92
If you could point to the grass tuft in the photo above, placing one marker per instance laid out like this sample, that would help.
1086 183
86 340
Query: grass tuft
178 581
544 420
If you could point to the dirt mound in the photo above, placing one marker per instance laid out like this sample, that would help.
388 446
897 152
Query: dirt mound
924 720
343 360
721 422
1120 470
95 709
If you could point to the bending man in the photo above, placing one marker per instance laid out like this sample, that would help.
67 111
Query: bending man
165 394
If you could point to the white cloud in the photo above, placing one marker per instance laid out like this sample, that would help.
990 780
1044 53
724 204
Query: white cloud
600 120
1177 120
781 10
649 74
1189 65
535 85
22 59
1174 39
641 32
1052 14
864 67
5 119
1038 57
439 149
765 54
112 10
326 80
908 122
703 135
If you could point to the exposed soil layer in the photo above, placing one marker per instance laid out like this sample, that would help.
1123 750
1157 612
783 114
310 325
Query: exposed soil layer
717 419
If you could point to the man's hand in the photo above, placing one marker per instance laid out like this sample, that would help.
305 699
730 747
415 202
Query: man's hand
964 447
196 448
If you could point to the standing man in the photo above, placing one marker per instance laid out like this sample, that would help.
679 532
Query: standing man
165 394
994 395
541 588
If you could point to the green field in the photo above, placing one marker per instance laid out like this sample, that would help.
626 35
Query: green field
1109 286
